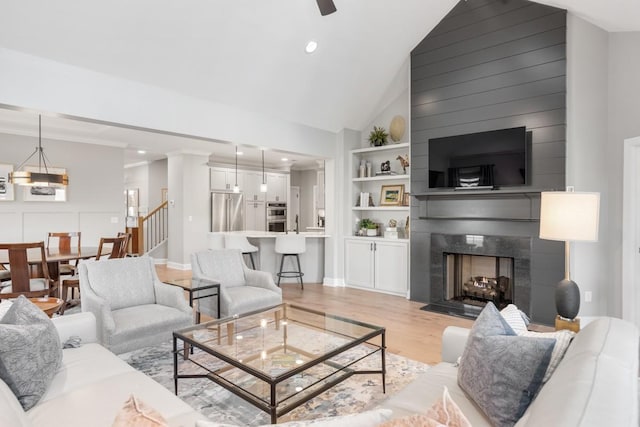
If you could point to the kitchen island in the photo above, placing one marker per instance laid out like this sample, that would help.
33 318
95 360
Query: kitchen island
311 262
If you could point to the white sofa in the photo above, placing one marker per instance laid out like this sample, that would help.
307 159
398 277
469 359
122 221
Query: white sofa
91 387
595 384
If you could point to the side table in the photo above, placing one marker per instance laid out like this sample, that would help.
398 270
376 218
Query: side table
195 288
48 304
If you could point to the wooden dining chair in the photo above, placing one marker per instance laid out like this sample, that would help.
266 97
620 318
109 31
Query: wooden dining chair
24 260
64 246
125 245
117 251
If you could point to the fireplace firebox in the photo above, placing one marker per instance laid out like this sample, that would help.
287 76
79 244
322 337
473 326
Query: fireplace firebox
476 279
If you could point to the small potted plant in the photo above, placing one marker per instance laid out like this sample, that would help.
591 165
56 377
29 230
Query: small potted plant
368 227
378 136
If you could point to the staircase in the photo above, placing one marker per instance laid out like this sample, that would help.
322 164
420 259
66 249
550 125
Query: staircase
152 230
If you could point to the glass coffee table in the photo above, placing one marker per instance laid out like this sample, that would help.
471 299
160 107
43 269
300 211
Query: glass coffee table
281 357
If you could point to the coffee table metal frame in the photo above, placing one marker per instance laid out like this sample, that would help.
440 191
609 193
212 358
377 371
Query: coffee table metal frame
274 408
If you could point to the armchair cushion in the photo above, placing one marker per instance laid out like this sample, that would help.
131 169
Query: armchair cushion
223 265
124 282
243 299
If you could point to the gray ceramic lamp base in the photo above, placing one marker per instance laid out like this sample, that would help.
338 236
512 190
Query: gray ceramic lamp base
567 299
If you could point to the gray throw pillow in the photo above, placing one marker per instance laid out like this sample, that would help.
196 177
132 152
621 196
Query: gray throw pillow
500 371
30 351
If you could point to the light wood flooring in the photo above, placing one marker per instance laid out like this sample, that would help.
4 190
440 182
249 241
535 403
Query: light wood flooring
410 332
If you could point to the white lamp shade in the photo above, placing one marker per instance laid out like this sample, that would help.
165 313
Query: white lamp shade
569 216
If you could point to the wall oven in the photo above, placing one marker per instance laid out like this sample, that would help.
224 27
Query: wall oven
276 216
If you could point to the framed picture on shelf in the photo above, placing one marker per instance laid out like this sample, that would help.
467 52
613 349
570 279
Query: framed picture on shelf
391 195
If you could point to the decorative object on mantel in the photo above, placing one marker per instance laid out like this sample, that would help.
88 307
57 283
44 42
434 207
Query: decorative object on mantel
405 199
404 162
391 195
396 128
378 136
6 188
365 200
38 177
385 167
569 216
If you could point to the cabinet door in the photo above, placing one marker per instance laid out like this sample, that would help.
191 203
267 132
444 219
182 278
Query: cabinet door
256 216
391 266
276 187
252 181
219 179
359 263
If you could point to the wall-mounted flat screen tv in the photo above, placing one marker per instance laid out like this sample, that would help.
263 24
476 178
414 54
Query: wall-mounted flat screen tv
492 159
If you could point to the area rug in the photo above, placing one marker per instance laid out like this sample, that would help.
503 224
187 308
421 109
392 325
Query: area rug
356 394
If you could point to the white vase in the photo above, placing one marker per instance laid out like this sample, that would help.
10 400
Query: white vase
372 232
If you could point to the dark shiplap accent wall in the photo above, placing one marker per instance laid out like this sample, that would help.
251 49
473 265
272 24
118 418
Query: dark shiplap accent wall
490 65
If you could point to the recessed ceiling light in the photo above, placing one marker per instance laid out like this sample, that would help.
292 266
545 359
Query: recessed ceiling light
311 46
284 159
142 152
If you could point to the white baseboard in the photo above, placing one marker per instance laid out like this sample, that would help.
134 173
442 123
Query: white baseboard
178 266
159 261
334 283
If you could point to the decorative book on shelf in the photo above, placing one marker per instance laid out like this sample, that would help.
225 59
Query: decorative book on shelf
386 173
365 200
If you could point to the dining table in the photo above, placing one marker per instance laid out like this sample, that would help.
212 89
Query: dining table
53 258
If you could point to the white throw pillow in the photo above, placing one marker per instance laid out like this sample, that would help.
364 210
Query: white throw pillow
563 339
363 419
514 318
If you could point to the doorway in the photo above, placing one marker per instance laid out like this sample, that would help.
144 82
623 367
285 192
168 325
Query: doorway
631 231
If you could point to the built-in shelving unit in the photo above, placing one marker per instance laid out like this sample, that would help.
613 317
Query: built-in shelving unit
373 183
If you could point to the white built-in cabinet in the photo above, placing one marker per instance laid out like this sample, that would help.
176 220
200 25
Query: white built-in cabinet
252 181
276 187
224 179
255 216
377 264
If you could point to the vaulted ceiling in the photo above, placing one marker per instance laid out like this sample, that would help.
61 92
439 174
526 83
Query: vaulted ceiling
250 54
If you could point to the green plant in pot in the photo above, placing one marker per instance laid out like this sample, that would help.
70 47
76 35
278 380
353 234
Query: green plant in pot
369 227
378 136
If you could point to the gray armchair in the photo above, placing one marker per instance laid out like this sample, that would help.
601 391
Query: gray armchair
241 289
133 308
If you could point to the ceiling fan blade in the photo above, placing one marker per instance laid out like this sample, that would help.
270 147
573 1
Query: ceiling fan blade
326 7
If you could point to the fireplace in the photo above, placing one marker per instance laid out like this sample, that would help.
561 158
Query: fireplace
476 279
467 271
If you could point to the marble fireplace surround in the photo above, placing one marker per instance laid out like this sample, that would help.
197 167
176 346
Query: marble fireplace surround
516 247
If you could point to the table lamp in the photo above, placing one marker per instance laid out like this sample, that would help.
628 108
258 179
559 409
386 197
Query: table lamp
569 217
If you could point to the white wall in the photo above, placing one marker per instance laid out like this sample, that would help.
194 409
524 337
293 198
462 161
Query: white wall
137 178
157 181
31 82
624 122
94 194
305 179
587 89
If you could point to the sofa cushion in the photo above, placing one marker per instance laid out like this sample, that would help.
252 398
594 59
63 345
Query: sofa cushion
519 362
78 369
11 412
30 351
563 339
96 404
444 412
514 318
223 265
135 277
426 389
595 384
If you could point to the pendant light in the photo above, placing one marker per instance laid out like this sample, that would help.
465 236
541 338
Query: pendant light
263 186
42 178
236 189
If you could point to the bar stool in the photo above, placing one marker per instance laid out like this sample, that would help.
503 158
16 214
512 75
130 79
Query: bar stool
290 245
232 241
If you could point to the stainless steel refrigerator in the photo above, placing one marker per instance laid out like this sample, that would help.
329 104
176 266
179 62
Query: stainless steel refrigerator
227 211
